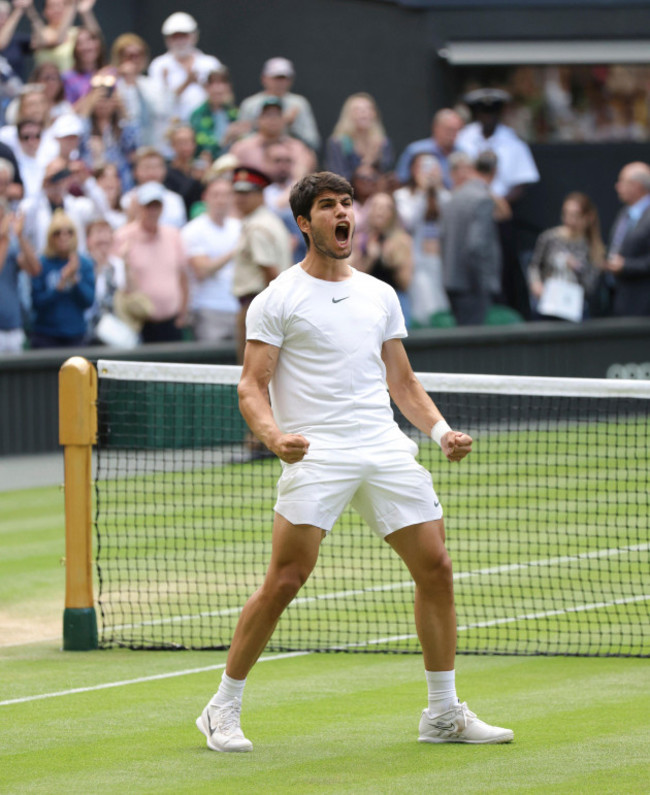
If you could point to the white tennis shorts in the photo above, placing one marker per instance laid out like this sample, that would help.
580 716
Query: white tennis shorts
387 487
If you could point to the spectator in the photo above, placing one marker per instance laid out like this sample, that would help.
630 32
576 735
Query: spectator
110 276
572 253
16 46
63 290
16 255
180 171
31 105
424 185
150 166
271 128
276 195
87 73
629 248
515 170
461 168
182 71
48 76
264 248
215 121
32 168
156 263
104 187
418 204
385 250
277 80
13 189
366 181
210 241
358 138
471 253
107 136
143 102
55 41
55 195
441 144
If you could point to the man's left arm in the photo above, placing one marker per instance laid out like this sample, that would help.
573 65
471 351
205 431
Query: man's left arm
415 404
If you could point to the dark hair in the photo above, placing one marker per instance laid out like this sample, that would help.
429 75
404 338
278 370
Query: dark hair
305 192
101 55
35 77
486 162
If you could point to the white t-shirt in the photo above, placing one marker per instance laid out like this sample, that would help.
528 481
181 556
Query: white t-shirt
515 164
170 75
330 380
202 237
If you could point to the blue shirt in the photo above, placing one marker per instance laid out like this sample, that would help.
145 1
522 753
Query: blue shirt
60 313
10 314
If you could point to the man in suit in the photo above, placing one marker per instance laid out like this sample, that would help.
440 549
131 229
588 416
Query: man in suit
471 252
629 249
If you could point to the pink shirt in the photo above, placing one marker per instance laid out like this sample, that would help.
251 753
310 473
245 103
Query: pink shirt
155 265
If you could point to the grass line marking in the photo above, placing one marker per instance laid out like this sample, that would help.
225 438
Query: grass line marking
288 655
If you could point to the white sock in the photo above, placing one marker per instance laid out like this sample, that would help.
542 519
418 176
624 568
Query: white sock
228 690
442 691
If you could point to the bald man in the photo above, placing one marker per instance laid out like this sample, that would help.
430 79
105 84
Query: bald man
629 248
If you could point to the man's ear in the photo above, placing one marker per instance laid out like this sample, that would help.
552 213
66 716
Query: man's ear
303 224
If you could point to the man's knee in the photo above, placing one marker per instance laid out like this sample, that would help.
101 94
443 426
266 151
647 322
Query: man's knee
283 585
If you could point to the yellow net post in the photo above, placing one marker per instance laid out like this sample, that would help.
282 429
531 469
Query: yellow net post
77 434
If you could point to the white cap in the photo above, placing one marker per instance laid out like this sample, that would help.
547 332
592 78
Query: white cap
179 22
278 67
150 192
67 124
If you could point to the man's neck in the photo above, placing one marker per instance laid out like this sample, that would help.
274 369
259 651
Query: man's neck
326 268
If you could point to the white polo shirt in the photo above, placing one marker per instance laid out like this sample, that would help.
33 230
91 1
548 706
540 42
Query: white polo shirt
330 380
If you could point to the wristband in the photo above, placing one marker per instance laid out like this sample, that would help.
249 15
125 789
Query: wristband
439 430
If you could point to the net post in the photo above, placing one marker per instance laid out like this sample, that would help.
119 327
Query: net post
77 434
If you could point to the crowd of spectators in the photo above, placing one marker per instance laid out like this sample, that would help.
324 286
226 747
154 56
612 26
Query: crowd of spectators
140 201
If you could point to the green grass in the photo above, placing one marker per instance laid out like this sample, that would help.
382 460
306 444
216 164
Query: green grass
330 723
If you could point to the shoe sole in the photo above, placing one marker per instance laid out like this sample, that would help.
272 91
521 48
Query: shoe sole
505 738
206 734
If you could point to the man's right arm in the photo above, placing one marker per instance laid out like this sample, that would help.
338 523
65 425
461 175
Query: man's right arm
260 360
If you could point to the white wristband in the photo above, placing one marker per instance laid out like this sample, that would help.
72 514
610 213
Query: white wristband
439 430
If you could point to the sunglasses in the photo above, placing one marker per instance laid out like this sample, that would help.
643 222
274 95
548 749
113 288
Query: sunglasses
30 136
63 231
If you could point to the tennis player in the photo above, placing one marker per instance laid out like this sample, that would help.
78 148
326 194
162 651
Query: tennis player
323 353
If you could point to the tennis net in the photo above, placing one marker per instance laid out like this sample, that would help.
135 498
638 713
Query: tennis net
547 520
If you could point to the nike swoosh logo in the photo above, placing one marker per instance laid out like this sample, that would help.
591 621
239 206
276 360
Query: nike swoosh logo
338 300
444 726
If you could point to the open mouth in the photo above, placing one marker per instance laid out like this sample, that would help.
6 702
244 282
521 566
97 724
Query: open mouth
342 232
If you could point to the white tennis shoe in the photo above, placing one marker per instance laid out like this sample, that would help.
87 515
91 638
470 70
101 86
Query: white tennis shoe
221 727
460 725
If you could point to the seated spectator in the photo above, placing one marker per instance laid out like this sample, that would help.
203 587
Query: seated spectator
54 41
16 255
156 266
107 136
414 198
181 72
110 276
89 58
31 167
271 128
180 169
277 79
358 138
210 241
55 195
215 121
48 76
572 252
385 250
145 106
441 144
63 290
15 46
150 166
